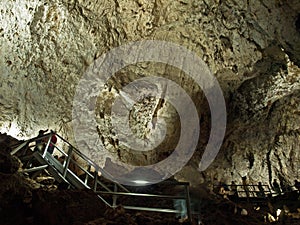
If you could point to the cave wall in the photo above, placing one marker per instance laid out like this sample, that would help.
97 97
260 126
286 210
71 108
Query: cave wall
252 47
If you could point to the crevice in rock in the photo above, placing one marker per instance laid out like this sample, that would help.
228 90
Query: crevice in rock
297 23
250 157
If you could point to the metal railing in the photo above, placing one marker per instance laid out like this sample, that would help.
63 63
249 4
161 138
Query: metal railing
185 197
67 169
246 191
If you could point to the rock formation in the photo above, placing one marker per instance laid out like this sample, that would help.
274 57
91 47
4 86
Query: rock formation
251 47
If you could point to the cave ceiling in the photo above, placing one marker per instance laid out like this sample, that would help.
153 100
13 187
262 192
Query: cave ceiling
252 48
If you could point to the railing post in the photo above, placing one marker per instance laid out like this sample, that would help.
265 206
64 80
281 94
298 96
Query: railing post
47 146
270 191
87 175
95 179
70 151
115 196
188 203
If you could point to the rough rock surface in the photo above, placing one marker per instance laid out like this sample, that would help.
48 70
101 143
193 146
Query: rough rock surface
252 47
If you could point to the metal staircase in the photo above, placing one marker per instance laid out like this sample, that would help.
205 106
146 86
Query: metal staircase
67 170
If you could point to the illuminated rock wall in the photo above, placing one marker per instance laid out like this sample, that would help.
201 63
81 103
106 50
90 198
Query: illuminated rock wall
252 48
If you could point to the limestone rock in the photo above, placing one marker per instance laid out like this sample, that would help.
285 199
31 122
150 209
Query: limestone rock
47 46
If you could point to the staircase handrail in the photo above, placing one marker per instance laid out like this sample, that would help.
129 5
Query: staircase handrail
90 162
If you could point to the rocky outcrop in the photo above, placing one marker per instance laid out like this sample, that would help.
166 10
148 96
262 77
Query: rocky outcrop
265 148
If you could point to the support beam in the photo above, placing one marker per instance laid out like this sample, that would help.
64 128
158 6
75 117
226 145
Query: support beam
35 169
